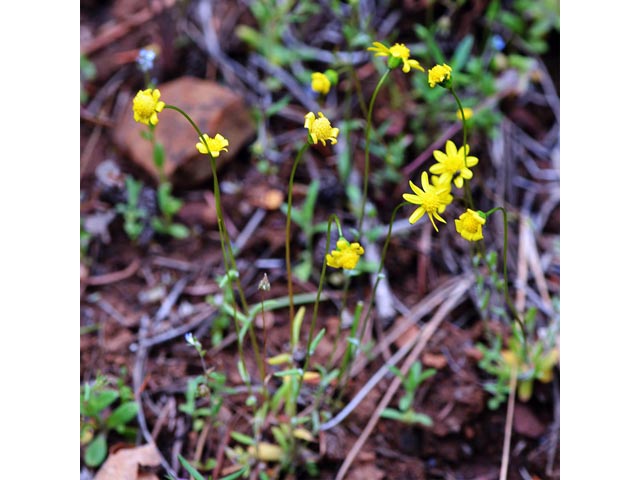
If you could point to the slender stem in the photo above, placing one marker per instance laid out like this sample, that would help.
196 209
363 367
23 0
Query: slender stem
467 190
379 274
316 305
287 244
230 261
507 298
367 136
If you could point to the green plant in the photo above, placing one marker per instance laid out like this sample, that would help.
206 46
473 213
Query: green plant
168 206
133 215
411 382
99 415
87 73
534 363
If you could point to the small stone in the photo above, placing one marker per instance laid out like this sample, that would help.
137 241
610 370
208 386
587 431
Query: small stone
213 108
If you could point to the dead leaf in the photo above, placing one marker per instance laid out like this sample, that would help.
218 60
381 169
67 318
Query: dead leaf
123 464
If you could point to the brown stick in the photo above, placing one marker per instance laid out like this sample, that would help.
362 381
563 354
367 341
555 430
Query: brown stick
426 333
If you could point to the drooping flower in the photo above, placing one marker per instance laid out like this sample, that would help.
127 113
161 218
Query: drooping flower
451 165
439 75
398 53
432 199
320 83
469 225
216 145
146 106
320 128
346 256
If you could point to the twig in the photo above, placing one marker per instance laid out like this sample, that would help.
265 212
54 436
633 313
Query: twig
249 229
171 299
137 379
112 34
113 277
418 311
179 331
418 345
555 429
504 467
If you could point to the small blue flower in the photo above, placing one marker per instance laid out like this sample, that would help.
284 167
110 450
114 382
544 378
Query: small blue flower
190 339
145 59
498 42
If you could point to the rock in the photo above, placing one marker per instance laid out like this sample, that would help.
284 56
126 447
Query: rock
214 109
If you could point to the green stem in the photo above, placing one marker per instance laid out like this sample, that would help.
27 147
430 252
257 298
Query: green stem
227 253
467 190
367 136
378 276
307 357
507 298
287 244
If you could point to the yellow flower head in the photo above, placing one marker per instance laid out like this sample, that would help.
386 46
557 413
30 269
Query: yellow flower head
397 53
320 128
432 199
216 145
146 106
468 113
346 256
469 225
439 74
451 165
320 83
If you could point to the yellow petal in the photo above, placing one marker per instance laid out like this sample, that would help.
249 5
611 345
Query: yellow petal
416 215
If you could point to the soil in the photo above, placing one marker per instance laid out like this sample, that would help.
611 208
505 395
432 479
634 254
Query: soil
139 299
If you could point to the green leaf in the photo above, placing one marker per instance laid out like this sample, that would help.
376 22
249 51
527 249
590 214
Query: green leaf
422 419
290 372
192 471
96 451
316 341
309 204
97 402
177 230
158 155
242 438
392 414
462 53
425 34
405 402
235 475
279 105
122 414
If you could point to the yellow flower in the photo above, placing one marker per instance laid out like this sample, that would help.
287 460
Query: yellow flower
399 52
452 164
320 83
146 106
216 144
469 225
439 74
320 128
468 113
432 199
346 256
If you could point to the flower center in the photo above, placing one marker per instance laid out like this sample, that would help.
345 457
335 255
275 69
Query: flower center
145 105
430 202
470 224
400 51
322 128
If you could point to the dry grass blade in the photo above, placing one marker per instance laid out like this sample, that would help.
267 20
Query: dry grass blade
427 332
